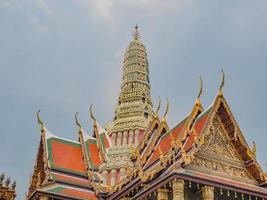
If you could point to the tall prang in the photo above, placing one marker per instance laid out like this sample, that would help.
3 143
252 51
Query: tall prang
134 109
133 112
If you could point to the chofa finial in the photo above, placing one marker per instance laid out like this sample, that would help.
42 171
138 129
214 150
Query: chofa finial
200 90
222 83
136 34
91 113
159 104
77 121
166 111
39 119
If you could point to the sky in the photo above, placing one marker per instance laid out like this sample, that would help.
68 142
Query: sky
61 56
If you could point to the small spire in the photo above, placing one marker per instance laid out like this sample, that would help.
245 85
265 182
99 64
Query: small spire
2 178
7 181
14 184
136 34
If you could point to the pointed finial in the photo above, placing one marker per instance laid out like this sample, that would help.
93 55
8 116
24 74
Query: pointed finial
7 181
39 119
254 147
14 184
166 111
91 113
2 178
222 83
200 90
136 34
159 104
77 121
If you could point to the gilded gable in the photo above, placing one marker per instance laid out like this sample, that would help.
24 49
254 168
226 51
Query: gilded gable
218 156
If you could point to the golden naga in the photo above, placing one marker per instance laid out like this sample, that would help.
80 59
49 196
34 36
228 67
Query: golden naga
162 157
222 83
200 90
77 121
166 111
39 119
158 108
186 158
91 113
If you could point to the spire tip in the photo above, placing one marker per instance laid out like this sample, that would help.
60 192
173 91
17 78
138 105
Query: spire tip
136 34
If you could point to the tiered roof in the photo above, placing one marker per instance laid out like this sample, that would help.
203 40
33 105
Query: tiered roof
70 169
174 153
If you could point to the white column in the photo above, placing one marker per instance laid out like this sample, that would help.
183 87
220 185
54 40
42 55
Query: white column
208 192
114 135
113 177
125 135
136 137
131 137
122 173
119 138
162 194
178 189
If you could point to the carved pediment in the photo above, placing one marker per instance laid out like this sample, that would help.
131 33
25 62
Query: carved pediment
218 155
217 142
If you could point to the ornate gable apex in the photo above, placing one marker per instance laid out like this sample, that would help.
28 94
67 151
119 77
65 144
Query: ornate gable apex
219 157
229 135
41 167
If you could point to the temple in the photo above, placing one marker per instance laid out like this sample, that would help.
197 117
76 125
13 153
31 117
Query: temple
7 190
205 156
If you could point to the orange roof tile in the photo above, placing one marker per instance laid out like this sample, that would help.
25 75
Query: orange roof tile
66 156
165 142
198 126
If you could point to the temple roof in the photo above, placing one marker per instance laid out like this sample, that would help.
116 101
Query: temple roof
71 169
177 149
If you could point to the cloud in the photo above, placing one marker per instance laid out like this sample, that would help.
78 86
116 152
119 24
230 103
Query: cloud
44 6
108 10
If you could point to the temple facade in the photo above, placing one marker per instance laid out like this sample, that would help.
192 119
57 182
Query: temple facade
7 189
205 156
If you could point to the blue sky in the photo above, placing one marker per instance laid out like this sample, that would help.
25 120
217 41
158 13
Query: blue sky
61 56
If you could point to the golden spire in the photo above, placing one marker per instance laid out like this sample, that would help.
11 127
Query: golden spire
136 34
40 122
222 83
134 109
166 111
200 91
